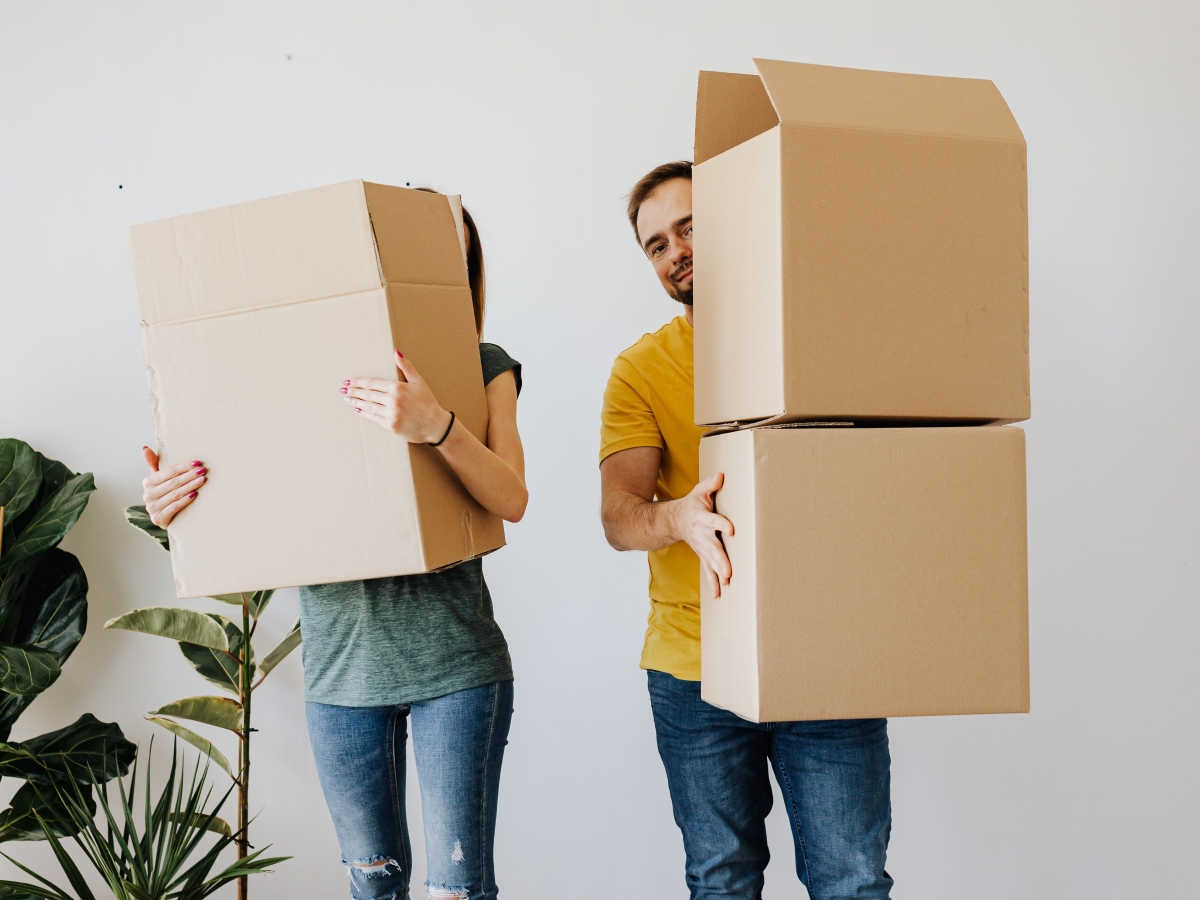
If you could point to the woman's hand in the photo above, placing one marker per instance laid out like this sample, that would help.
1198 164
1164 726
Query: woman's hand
167 491
406 407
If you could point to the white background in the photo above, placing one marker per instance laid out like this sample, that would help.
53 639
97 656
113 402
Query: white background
543 115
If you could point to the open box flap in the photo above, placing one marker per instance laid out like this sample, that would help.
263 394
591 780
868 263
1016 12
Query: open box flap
969 108
730 109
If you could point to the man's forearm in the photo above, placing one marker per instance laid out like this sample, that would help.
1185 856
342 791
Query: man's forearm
632 523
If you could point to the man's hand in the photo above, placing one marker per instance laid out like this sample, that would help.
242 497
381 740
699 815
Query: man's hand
696 523
405 407
634 520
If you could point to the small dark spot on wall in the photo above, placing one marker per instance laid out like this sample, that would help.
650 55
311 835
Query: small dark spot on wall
120 187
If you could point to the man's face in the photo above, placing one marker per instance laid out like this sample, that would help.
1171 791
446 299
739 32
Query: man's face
664 226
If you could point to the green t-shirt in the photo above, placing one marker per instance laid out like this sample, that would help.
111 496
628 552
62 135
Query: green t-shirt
388 641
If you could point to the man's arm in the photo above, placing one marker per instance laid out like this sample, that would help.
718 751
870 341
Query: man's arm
634 520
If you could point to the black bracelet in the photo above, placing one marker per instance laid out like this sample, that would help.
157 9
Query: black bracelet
447 434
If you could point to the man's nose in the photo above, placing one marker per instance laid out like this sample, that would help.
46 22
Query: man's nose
680 252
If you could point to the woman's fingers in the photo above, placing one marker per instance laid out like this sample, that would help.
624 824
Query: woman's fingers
361 396
150 457
382 385
161 483
181 487
407 370
376 414
163 518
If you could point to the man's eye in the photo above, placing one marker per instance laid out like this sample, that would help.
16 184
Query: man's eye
658 248
688 231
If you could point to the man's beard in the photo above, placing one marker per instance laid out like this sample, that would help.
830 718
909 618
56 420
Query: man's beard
679 292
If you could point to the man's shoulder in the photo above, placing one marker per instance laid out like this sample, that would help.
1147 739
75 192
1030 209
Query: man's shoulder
665 343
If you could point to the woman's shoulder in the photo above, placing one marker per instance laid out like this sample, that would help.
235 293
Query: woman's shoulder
495 361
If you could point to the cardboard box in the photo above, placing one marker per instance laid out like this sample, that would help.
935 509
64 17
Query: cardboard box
860 248
252 316
876 572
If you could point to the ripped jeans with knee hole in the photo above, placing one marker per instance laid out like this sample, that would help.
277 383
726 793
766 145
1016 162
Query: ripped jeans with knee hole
458 743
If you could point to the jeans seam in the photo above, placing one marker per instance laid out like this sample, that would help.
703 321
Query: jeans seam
396 799
795 813
487 760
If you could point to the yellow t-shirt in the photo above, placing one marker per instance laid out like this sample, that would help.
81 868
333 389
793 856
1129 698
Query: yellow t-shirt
649 403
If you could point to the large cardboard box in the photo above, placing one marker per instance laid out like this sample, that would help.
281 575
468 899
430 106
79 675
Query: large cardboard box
876 572
860 248
252 316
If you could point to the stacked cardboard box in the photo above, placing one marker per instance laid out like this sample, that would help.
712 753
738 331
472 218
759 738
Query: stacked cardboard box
861 313
252 316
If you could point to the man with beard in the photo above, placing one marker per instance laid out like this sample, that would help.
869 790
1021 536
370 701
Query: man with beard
834 775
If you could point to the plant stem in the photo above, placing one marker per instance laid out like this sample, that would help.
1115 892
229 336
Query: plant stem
244 751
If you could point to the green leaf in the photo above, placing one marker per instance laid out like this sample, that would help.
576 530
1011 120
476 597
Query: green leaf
43 603
51 522
85 748
220 668
47 597
20 476
257 600
177 624
289 643
19 890
202 744
140 519
18 822
27 670
215 824
219 711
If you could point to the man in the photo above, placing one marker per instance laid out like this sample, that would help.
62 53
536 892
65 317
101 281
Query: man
834 776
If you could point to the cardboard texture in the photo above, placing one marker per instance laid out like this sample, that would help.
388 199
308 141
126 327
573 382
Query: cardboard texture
252 316
861 248
876 572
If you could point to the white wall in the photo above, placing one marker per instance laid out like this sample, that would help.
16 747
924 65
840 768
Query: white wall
542 114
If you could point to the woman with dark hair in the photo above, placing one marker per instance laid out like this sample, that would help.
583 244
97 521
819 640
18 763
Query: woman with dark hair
424 648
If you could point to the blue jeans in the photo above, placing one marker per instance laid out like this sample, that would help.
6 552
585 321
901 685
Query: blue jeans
834 777
458 741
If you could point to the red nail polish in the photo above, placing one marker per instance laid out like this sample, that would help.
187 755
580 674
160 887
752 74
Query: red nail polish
202 471
358 409
192 495
344 390
346 382
196 462
401 354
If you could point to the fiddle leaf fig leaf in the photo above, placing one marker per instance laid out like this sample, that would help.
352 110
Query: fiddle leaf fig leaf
177 624
219 711
289 643
140 519
51 521
20 476
53 604
222 669
26 670
85 748
202 744
20 821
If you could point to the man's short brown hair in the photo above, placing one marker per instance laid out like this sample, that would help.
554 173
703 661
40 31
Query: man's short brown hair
649 183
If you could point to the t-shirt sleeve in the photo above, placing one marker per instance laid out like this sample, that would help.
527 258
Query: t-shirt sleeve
495 362
627 420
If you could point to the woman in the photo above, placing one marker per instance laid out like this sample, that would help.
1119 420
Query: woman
422 647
